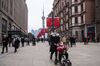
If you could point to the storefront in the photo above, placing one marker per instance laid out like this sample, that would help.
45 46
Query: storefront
91 33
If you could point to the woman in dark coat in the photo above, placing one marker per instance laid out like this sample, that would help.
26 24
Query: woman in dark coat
16 44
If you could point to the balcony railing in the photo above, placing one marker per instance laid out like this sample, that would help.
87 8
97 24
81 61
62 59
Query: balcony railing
77 24
73 13
75 2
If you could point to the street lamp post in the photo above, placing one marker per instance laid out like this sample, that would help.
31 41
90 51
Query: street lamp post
52 21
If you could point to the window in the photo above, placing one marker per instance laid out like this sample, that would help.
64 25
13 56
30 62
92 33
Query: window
7 5
76 20
11 7
9 27
81 7
4 25
2 4
76 9
82 19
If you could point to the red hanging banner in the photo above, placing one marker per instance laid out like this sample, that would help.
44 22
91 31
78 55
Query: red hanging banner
49 22
56 22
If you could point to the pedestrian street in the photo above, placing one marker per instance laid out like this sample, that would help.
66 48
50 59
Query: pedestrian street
80 55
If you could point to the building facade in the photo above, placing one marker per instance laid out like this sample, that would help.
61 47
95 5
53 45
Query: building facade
82 21
97 18
61 9
13 16
77 18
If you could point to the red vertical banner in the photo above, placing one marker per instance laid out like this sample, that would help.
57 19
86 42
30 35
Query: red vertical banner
49 22
56 22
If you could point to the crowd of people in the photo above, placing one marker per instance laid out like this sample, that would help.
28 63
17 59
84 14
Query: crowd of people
15 42
58 44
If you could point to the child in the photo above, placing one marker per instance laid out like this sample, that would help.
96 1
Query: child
62 50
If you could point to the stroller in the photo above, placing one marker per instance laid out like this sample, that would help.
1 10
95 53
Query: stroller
63 55
65 62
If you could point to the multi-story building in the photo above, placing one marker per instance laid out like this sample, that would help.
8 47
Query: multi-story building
13 17
61 9
82 21
97 18
77 18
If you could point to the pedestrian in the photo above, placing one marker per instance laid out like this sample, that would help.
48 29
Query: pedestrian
42 40
34 41
22 41
28 41
4 43
16 44
85 41
65 40
10 41
53 48
49 40
71 41
74 41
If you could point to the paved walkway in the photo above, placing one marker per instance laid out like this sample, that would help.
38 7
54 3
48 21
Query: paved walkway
27 56
85 55
81 55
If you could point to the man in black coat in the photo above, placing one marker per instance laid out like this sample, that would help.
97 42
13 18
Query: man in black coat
5 43
55 39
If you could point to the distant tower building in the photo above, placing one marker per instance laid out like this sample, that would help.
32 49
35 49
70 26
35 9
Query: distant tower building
43 21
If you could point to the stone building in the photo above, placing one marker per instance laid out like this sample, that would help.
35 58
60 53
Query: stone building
61 9
97 18
82 21
77 18
13 17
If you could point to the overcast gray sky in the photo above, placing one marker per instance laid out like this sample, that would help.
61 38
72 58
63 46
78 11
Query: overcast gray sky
35 9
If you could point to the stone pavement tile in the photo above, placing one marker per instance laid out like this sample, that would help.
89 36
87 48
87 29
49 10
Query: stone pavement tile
81 55
85 55
29 56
